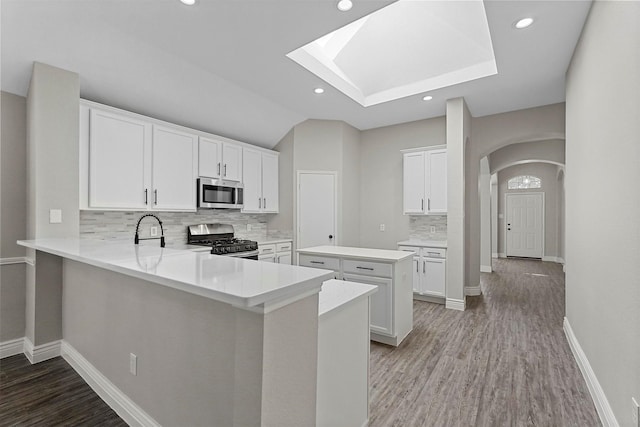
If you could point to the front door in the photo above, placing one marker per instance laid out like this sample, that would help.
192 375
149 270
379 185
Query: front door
524 226
316 209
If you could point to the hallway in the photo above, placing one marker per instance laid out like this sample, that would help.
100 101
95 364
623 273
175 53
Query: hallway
503 362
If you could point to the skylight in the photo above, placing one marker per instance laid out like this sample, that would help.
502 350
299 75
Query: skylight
409 47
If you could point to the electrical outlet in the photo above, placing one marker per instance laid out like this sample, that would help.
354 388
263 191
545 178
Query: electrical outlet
154 231
432 229
635 412
55 216
133 364
381 227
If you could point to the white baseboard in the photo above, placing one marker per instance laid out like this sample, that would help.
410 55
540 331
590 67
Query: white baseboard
485 269
494 255
12 347
605 412
131 413
502 255
553 259
455 304
472 291
560 260
13 260
40 353
564 268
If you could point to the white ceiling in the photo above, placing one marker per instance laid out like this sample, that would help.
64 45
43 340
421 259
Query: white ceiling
221 66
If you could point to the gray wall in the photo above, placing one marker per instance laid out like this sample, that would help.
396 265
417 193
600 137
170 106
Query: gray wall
551 151
13 206
561 214
548 175
603 202
381 182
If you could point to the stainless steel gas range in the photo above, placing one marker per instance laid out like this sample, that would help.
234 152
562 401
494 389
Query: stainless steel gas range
220 239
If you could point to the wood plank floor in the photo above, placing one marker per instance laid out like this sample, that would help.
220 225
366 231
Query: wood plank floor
49 393
503 362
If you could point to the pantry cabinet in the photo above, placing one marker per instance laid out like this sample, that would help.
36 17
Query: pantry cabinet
260 180
219 160
425 181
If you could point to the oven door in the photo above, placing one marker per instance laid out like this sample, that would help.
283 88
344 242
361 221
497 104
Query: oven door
245 255
219 194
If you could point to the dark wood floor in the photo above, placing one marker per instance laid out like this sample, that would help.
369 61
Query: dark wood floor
502 362
49 393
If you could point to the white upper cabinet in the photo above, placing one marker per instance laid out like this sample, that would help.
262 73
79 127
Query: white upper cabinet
260 179
119 169
219 160
135 165
425 182
173 169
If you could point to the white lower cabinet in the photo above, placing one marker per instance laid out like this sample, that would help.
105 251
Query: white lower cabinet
391 307
381 301
275 252
429 271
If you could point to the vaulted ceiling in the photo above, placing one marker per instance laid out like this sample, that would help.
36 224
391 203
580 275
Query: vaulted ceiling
221 65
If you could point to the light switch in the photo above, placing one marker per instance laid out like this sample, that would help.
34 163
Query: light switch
55 216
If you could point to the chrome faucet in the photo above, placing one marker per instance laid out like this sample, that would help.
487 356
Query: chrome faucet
137 239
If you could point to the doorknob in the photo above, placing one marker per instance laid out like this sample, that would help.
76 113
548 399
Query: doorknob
508 229
330 236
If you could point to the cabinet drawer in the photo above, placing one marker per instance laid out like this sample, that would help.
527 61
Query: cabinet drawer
320 262
266 249
414 249
367 268
283 247
434 252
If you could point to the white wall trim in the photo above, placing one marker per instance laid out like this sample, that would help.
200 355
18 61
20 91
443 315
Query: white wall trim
553 259
455 304
40 353
472 291
502 255
11 347
112 395
486 269
13 260
605 412
494 255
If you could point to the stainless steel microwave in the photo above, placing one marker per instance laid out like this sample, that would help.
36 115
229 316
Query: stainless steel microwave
219 194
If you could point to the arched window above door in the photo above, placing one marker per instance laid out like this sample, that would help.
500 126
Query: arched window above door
524 182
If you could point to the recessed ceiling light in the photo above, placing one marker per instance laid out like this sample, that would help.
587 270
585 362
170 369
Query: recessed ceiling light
427 98
188 2
318 90
524 23
344 5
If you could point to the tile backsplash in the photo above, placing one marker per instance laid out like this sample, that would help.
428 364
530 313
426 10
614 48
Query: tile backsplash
120 225
420 227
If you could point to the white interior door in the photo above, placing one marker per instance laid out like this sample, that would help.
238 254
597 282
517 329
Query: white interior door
316 209
524 226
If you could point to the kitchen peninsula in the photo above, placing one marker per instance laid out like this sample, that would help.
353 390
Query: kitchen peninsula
219 340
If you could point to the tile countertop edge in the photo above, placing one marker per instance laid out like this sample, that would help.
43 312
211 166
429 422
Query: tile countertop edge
274 241
424 243
335 294
367 254
258 303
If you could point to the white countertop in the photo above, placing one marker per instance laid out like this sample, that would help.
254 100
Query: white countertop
337 293
425 243
383 255
241 282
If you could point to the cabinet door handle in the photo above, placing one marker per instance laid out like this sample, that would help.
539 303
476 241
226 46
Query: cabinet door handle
433 253
317 262
259 202
424 266
364 268
428 204
264 202
421 204
155 195
225 169
267 250
417 267
146 201
218 168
